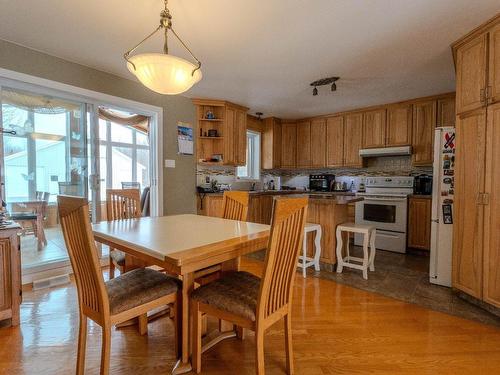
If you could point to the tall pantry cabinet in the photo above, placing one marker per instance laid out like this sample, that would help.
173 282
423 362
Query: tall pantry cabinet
476 239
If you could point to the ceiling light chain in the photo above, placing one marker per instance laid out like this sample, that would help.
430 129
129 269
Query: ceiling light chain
165 23
148 61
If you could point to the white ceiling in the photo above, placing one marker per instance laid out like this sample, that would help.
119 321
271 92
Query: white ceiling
263 54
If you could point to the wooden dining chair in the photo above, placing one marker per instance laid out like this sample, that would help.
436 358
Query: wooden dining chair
121 204
234 207
127 296
249 302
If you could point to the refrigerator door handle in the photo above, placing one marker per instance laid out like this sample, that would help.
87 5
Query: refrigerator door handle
435 221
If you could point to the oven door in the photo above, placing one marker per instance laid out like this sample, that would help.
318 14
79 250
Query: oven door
386 213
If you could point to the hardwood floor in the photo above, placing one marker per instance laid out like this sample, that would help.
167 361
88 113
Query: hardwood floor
336 330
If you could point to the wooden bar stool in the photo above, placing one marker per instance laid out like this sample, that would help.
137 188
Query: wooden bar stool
369 233
304 260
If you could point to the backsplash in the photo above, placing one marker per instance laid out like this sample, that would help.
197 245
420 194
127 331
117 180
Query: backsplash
299 178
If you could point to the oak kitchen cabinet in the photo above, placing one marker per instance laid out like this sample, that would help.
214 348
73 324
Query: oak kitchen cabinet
353 139
289 144
318 143
235 130
10 274
303 157
335 141
374 128
212 205
229 121
419 222
399 125
471 61
424 123
469 215
446 112
476 238
271 143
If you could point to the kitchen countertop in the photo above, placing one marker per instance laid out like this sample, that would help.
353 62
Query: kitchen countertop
283 192
318 197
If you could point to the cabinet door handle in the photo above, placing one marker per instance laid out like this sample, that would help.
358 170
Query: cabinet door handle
486 199
488 95
482 96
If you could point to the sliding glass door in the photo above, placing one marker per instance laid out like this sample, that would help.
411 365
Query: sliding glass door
44 148
55 143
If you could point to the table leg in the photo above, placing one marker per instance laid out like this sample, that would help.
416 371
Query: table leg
184 365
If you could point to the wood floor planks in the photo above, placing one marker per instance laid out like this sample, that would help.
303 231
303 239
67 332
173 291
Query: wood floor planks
336 330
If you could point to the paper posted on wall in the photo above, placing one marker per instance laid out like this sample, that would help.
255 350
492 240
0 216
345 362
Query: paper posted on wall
185 138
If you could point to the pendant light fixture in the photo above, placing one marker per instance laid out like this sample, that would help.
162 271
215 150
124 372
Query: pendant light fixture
161 72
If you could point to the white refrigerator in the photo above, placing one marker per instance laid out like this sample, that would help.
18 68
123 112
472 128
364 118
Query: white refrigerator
442 206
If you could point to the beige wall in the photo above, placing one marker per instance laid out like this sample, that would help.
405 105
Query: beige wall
178 183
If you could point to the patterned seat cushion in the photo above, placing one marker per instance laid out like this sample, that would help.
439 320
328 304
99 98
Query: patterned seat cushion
235 292
138 287
118 257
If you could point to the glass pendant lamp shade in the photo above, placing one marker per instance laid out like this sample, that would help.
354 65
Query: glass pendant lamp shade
164 74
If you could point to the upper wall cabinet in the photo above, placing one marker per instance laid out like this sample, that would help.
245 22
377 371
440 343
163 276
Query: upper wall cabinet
399 125
493 89
424 123
303 144
335 141
353 139
446 112
271 143
235 138
221 132
288 144
374 131
471 63
318 143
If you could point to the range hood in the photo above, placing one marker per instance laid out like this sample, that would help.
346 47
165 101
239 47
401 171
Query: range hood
385 151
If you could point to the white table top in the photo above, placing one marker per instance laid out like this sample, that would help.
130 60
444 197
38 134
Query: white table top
167 237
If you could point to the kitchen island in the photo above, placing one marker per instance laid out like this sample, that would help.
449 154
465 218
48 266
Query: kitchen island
326 209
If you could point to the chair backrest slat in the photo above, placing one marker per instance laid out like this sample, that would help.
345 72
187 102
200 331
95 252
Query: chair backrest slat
285 242
75 223
235 205
123 204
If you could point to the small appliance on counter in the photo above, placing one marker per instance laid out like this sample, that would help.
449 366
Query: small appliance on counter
422 185
321 182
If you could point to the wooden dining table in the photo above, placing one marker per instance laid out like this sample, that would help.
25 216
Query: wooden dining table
183 245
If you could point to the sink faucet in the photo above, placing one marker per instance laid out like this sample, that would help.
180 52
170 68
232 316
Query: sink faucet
253 187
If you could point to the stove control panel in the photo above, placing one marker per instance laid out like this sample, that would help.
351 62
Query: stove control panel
394 181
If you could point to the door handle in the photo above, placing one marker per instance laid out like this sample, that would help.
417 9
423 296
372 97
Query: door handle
488 95
483 199
486 199
482 96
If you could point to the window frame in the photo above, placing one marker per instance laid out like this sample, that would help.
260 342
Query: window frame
134 146
253 157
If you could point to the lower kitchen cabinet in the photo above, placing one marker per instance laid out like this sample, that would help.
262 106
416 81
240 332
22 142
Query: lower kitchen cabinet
419 222
210 205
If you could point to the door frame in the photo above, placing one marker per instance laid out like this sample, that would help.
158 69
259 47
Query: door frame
37 85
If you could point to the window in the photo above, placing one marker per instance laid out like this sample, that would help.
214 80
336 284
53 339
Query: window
124 156
251 170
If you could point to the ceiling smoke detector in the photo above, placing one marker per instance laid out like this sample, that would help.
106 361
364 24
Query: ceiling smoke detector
323 82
